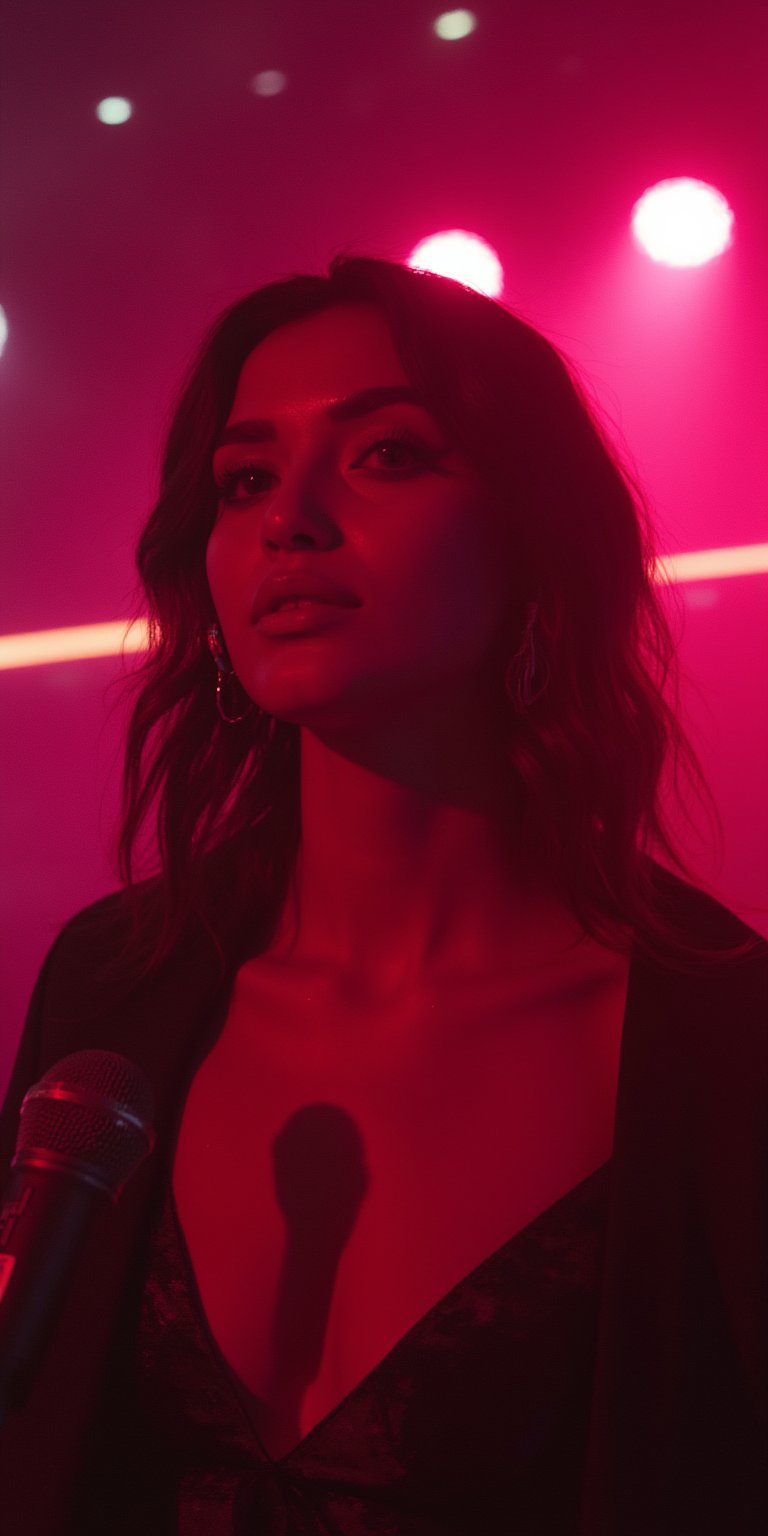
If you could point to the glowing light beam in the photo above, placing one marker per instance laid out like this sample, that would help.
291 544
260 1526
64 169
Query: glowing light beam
75 643
41 647
708 564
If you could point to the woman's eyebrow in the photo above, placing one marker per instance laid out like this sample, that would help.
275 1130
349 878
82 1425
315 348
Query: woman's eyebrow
361 404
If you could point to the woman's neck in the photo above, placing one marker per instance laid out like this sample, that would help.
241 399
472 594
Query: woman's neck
394 885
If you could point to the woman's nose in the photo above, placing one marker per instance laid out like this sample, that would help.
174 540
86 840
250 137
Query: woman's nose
301 510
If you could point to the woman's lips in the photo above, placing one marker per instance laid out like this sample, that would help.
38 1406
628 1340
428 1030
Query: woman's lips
302 616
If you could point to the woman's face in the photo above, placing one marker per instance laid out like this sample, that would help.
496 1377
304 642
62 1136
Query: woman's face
405 526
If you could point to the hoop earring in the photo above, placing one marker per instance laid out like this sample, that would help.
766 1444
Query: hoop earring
527 674
525 680
224 669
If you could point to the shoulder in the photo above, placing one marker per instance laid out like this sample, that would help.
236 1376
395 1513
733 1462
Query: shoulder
708 1019
84 970
734 955
97 932
126 941
700 916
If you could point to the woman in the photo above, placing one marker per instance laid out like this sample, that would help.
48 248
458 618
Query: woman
412 1255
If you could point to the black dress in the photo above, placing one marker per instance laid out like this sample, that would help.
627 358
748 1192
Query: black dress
638 1300
475 1422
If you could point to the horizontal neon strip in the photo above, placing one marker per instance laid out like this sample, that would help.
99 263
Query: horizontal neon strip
73 644
83 640
710 564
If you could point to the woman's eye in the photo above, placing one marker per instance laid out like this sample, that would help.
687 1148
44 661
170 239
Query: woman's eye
241 482
403 443
229 481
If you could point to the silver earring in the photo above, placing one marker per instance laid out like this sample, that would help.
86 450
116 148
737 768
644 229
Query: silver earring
224 669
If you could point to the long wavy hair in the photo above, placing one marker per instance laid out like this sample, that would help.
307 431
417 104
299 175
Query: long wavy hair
589 761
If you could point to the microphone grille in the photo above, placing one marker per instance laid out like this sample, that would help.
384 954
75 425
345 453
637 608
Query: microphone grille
91 1114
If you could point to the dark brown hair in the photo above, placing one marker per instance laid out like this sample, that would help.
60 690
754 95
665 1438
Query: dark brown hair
588 761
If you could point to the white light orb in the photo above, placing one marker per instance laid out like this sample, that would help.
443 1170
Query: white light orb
454 24
269 82
114 109
682 222
465 257
3 330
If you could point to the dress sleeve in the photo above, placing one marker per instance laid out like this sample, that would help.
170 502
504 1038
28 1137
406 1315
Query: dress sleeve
80 1405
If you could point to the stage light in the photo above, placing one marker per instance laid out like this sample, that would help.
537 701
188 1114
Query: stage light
114 109
3 330
465 257
269 82
454 24
682 222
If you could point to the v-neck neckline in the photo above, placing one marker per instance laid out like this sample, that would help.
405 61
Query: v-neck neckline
545 1218
239 1388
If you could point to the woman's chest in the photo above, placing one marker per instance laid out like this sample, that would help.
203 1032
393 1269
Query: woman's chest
337 1173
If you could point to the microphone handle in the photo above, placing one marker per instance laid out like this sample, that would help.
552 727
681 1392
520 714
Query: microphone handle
44 1220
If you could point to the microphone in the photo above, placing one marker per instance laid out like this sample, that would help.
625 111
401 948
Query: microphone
86 1127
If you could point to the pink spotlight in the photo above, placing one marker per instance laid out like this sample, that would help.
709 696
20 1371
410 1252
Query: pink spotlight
465 257
682 222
